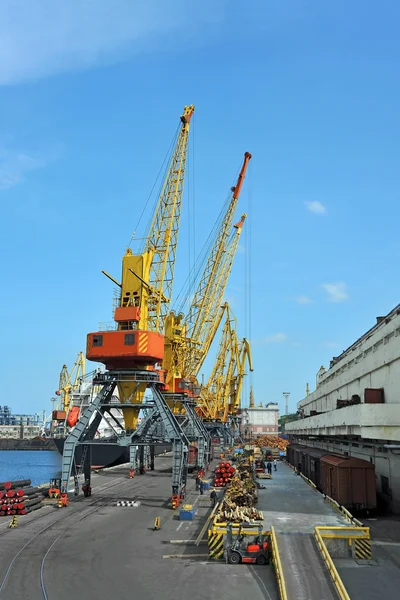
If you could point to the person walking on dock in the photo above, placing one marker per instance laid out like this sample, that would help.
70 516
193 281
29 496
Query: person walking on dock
197 483
299 468
201 487
275 465
269 467
213 498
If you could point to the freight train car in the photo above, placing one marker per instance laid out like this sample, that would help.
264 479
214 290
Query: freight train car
293 454
350 481
312 464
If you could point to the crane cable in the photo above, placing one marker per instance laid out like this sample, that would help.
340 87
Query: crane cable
164 165
187 290
248 279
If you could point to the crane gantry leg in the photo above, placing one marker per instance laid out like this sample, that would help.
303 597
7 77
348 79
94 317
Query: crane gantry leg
160 425
193 427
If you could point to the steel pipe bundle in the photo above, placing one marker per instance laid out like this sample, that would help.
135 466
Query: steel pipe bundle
15 499
8 485
223 474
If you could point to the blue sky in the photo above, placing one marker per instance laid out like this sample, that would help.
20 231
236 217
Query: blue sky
90 98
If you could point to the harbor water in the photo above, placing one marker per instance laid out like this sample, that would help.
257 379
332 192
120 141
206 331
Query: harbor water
29 464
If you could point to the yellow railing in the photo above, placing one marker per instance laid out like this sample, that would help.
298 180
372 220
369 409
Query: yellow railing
345 532
278 566
341 590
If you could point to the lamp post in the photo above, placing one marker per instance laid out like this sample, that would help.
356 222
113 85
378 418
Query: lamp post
286 396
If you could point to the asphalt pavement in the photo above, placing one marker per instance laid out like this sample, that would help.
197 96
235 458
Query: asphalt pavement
96 549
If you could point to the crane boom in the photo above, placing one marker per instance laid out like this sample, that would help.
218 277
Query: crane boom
163 236
189 339
200 349
200 309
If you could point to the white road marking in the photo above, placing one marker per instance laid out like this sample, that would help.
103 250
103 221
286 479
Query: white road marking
179 526
261 582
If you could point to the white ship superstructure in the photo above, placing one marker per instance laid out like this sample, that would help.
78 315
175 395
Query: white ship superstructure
355 408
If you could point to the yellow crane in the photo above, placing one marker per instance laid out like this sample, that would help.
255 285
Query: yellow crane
243 357
70 381
220 397
146 288
188 339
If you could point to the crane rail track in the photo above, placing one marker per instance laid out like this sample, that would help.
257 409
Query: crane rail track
64 521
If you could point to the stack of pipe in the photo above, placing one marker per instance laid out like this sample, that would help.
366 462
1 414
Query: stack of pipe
223 474
19 498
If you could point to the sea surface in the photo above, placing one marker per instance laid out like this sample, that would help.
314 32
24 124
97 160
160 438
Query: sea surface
39 466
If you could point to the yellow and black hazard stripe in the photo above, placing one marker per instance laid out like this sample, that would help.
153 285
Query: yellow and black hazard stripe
215 545
362 549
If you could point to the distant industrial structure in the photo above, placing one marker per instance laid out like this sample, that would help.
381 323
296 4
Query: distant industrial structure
19 426
260 420
355 409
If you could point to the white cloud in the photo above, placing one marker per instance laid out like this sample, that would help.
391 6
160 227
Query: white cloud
316 207
337 292
304 300
14 166
276 338
44 37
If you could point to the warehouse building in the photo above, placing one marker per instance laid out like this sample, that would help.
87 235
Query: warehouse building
355 409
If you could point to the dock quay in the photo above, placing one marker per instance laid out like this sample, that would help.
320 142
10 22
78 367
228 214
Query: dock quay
108 544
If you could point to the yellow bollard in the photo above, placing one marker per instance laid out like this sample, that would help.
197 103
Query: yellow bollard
13 523
157 524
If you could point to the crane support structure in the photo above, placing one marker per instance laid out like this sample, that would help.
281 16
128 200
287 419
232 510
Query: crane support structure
131 351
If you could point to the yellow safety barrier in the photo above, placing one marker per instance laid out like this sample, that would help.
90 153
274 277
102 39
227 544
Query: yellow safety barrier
362 549
310 483
341 590
206 524
346 513
215 545
359 536
349 517
278 566
344 532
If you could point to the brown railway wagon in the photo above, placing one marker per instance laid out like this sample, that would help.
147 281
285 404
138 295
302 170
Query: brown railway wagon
293 454
312 465
348 480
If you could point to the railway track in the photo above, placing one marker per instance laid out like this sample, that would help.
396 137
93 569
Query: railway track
28 563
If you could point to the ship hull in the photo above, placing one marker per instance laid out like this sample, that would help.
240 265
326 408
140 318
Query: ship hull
106 455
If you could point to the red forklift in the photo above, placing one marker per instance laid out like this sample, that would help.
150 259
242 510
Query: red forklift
239 550
259 466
